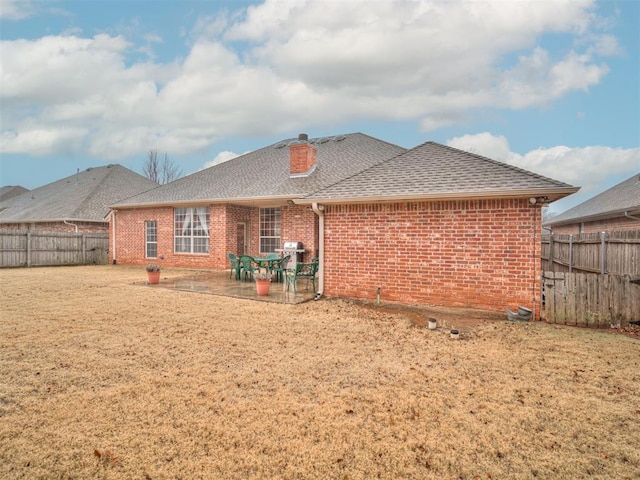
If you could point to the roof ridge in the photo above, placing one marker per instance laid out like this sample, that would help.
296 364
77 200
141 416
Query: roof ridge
500 163
368 168
93 191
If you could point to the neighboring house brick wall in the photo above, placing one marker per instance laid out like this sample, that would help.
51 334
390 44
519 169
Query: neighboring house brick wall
608 225
480 254
83 227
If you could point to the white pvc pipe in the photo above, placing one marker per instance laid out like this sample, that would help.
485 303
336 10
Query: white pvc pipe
319 210
72 224
113 231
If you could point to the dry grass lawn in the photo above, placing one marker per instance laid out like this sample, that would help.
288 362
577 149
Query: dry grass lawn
100 378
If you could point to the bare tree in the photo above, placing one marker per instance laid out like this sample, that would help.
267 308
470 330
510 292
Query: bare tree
162 172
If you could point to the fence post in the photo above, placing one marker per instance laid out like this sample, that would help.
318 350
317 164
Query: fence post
551 265
603 252
84 249
570 252
28 249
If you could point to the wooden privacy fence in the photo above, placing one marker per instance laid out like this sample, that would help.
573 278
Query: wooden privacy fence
590 300
34 248
601 252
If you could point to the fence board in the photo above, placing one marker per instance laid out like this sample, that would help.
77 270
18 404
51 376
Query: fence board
36 248
592 289
591 300
570 300
584 252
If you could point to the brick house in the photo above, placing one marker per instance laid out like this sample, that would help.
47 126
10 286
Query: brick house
77 203
430 225
617 208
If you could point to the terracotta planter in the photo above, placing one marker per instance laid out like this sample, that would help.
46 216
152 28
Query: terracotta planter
153 277
262 286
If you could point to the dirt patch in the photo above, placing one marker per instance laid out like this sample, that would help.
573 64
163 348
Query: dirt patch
446 318
103 379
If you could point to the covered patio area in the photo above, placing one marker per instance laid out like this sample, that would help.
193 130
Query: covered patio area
219 283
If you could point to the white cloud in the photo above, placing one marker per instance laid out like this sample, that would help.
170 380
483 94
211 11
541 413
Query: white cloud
283 64
42 139
593 168
16 9
224 156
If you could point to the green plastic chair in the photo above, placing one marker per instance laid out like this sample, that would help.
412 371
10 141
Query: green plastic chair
278 268
306 271
247 266
235 265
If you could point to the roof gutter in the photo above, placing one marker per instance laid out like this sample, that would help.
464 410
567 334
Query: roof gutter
249 201
319 210
49 220
551 193
595 217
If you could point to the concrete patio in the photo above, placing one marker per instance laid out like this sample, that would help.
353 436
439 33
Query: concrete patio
219 283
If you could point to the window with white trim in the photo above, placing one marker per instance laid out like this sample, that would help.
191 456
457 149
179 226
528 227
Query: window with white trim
191 230
151 239
269 229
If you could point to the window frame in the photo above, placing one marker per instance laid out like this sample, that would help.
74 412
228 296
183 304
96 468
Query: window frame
269 222
193 223
154 241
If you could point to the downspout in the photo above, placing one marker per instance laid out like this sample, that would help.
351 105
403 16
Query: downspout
535 279
72 224
319 210
113 234
626 214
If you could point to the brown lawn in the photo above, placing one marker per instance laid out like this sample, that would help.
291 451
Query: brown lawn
100 378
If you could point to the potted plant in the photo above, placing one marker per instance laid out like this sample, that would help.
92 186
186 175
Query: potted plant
263 281
153 273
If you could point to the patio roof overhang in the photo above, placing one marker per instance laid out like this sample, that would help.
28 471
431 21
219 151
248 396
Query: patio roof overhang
270 201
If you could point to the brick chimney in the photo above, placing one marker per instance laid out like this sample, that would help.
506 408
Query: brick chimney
302 157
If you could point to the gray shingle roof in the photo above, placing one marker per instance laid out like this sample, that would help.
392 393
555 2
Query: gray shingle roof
264 173
622 197
10 191
85 196
432 170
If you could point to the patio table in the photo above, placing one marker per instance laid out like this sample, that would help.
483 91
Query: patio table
267 262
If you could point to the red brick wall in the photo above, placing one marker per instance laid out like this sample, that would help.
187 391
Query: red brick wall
298 223
235 215
481 254
302 157
609 225
83 227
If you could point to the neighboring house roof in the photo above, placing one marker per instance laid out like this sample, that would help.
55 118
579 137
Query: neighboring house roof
434 171
614 202
10 191
264 174
85 196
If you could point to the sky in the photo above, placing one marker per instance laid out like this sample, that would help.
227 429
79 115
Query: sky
549 86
